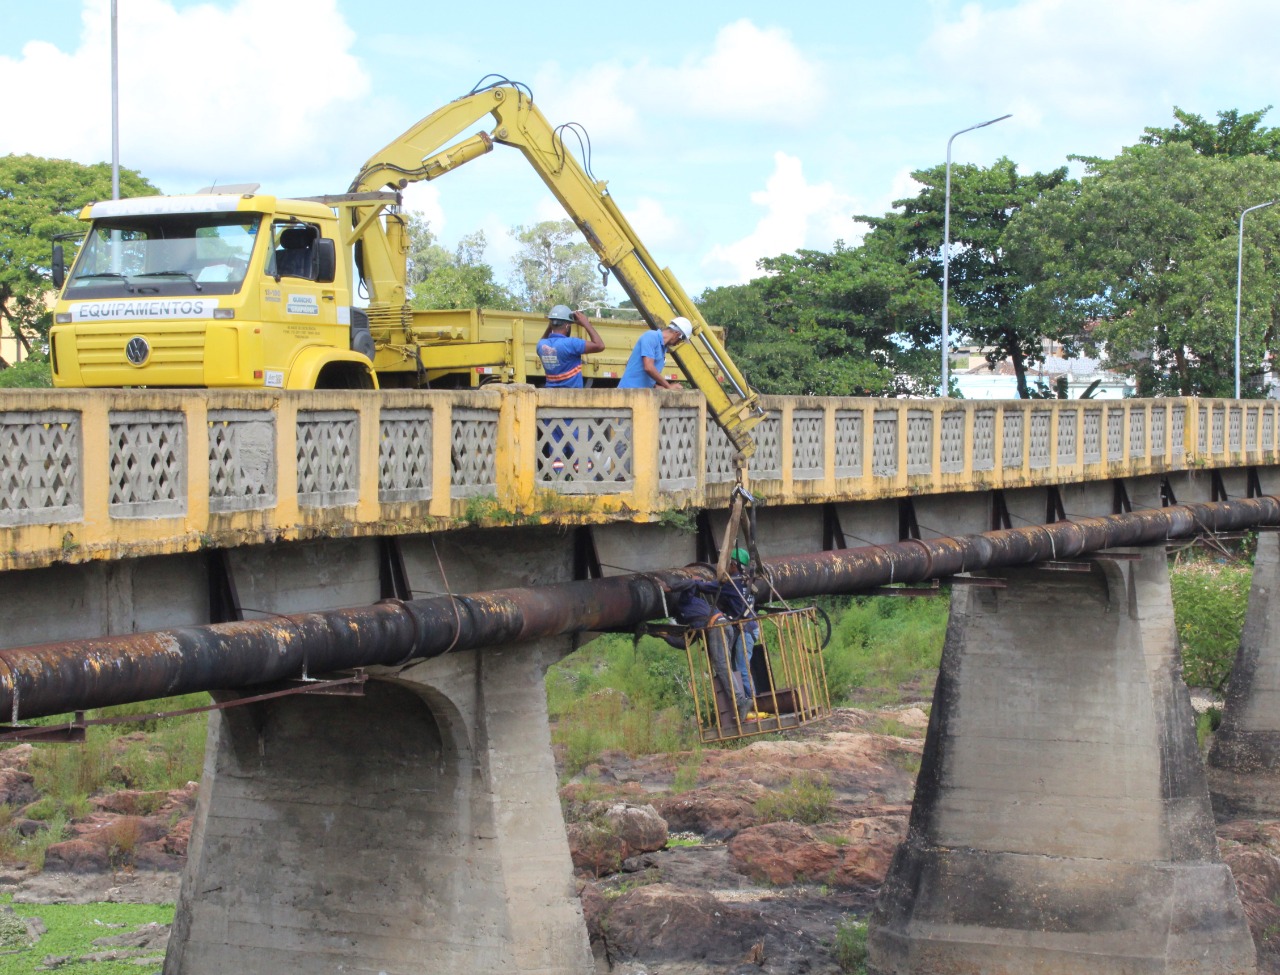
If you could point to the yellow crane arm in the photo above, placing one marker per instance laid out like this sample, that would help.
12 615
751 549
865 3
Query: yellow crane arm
417 155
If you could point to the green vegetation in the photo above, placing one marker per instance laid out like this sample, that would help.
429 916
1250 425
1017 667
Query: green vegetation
1209 603
613 696
806 799
71 930
31 373
168 755
884 649
851 946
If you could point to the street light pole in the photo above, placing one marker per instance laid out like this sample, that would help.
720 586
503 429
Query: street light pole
115 106
1239 277
946 250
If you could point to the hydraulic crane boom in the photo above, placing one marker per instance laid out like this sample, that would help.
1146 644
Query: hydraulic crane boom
417 155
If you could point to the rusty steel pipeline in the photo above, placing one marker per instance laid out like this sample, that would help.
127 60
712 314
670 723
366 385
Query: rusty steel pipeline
83 674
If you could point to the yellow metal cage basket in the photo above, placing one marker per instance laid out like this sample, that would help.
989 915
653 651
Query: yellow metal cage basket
785 673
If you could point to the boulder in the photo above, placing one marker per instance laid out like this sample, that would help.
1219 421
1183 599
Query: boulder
610 834
716 814
855 855
662 923
17 787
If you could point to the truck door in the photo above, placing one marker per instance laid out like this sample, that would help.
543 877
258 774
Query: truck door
299 310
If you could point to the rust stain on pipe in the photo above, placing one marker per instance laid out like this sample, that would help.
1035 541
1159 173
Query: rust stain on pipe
85 674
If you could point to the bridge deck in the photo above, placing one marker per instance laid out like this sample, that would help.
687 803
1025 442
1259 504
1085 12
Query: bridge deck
119 474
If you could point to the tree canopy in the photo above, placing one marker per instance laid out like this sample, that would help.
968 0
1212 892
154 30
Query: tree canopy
1235 134
1138 259
555 266
40 198
438 278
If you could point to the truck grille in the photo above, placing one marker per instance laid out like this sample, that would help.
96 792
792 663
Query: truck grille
176 357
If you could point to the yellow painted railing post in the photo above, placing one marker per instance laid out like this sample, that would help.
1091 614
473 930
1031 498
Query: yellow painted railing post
441 503
645 406
516 462
196 412
95 412
287 458
369 414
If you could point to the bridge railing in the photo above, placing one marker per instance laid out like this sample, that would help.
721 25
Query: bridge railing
109 474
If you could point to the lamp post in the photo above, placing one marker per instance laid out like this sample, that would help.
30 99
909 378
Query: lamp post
946 249
1239 277
115 105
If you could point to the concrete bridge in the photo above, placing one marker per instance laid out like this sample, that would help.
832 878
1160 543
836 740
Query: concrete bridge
1062 821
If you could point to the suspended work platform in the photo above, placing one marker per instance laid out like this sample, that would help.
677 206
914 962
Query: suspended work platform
786 675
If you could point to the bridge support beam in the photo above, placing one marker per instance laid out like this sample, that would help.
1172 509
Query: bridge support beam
411 831
1244 762
1061 819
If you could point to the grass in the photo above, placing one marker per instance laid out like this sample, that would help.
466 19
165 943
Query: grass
71 930
850 947
807 799
166 755
613 696
884 649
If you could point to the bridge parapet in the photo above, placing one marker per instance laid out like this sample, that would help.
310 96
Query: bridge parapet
126 473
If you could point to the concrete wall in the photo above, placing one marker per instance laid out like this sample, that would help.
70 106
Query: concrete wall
1244 762
1061 820
414 830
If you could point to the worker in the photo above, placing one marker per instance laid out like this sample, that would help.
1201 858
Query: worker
694 606
644 368
738 603
561 353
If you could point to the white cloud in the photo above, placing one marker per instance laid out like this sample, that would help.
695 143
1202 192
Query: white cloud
207 93
653 225
1071 61
798 214
749 75
424 198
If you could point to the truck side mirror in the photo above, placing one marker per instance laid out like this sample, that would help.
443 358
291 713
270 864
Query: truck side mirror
326 260
59 266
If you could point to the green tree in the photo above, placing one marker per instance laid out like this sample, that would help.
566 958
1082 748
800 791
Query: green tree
38 199
982 281
555 266
1233 135
1139 260
849 322
461 279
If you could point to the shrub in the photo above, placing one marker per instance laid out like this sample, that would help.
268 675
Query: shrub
1209 603
851 946
880 643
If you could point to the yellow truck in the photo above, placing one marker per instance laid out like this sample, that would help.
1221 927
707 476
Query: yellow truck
234 288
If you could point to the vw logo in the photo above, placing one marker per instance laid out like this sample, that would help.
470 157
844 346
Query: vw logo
137 350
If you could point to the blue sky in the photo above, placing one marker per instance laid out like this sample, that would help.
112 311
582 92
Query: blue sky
727 131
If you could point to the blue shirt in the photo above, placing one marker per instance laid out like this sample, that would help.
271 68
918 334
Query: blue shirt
649 345
561 357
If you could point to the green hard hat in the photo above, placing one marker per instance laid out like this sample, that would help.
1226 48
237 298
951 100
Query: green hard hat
740 556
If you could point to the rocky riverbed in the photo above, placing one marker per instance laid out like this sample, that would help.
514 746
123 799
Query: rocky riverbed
739 860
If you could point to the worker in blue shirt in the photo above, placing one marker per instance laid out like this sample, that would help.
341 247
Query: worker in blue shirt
644 368
561 353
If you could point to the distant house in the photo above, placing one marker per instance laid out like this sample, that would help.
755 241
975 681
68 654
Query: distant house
980 381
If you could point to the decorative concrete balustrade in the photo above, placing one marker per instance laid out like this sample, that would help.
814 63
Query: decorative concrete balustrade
114 474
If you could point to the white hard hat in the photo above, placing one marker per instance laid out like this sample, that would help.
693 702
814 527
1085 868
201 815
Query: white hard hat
560 313
683 326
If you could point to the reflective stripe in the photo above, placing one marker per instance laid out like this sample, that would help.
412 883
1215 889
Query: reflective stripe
561 377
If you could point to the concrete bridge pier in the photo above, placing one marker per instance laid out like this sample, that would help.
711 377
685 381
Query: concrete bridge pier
1061 821
411 831
1244 762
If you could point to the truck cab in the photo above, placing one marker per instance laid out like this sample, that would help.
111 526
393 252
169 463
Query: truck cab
208 290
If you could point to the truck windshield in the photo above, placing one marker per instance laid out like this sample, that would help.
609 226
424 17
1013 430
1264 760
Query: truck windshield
165 254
